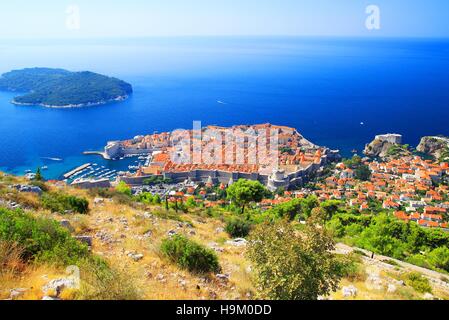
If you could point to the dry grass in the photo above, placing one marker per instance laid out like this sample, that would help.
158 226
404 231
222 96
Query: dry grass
32 278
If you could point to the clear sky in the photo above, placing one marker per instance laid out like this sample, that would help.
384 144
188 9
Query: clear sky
137 18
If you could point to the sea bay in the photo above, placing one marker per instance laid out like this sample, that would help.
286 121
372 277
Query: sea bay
337 92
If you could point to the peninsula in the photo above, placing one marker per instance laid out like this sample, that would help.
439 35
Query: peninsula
58 88
295 161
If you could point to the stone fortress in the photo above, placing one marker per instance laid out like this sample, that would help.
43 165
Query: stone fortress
390 137
298 160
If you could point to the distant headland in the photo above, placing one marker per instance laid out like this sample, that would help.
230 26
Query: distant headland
58 88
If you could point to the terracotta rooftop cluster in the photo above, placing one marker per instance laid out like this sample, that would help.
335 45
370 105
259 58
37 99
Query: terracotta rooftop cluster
291 150
406 185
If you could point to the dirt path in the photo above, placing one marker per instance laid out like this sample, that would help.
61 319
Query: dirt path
382 261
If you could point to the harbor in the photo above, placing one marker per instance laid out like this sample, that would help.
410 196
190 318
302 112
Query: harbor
76 171
99 169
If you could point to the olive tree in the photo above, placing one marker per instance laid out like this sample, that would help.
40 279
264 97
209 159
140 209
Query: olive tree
293 265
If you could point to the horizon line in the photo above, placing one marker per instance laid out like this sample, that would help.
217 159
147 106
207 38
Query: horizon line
358 37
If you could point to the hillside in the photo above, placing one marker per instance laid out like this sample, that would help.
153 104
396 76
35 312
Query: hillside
62 88
126 260
437 147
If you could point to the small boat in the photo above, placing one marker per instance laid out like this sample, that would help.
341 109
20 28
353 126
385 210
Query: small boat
28 171
44 168
354 151
52 159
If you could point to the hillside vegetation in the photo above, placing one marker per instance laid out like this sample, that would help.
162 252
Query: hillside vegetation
142 248
58 87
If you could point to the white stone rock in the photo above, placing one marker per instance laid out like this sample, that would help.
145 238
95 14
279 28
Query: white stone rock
98 200
223 277
391 288
349 291
50 298
238 242
135 256
171 233
17 293
428 296
58 285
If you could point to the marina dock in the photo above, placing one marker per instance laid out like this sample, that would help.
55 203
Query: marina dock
98 153
76 170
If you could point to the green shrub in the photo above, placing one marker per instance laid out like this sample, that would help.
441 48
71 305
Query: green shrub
122 187
351 267
440 258
419 260
237 228
418 282
59 202
190 255
40 239
148 198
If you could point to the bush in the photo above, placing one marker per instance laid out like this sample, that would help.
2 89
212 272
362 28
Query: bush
190 255
419 260
418 282
148 198
440 258
40 239
238 228
123 188
58 202
351 267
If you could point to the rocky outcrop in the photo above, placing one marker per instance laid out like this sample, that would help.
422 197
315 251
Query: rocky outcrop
385 146
437 147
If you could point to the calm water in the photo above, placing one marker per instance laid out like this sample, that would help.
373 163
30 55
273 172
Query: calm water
324 87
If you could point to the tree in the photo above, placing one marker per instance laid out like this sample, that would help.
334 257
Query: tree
362 172
330 207
157 199
38 176
191 203
244 192
440 258
290 209
309 204
290 265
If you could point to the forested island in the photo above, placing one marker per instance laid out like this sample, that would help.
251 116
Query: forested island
58 88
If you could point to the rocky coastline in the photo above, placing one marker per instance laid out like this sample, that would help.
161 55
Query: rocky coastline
72 106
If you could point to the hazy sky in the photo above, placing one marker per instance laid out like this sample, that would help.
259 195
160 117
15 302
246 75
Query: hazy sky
136 18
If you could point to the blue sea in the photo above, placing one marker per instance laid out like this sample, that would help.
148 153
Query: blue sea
337 92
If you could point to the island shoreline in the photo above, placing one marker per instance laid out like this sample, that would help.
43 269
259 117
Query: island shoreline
73 106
